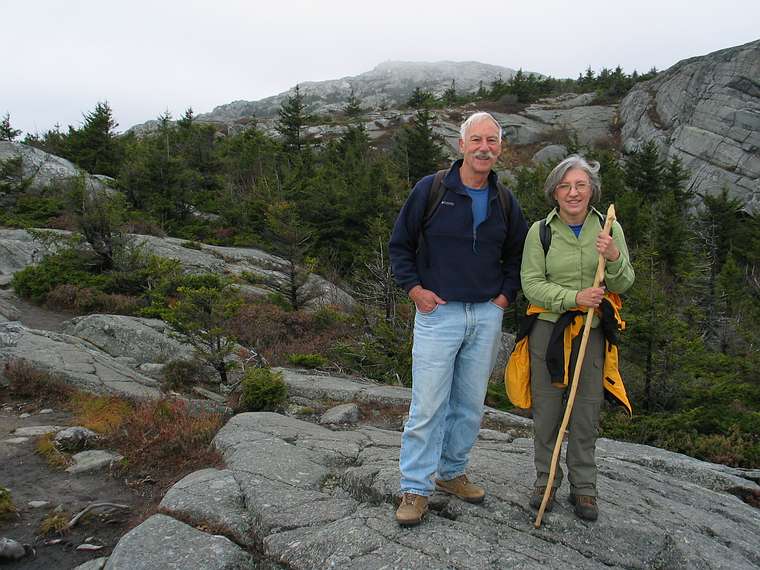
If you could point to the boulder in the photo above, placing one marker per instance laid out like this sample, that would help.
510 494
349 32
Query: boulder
550 153
211 497
163 542
342 414
93 460
143 340
706 111
74 438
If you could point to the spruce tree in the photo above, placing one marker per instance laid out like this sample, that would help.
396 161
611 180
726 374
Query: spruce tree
7 132
94 147
293 118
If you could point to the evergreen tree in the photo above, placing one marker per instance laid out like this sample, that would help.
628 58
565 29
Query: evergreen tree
420 99
293 119
416 149
352 109
450 95
94 147
7 132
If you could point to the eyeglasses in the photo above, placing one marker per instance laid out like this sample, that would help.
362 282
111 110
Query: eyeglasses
579 186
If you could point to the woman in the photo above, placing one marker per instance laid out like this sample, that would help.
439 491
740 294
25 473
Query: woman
557 279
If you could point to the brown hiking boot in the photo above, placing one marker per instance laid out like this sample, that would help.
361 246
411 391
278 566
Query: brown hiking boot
538 496
585 506
411 510
462 488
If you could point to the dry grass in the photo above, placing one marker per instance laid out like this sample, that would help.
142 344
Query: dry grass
55 523
46 447
101 414
7 508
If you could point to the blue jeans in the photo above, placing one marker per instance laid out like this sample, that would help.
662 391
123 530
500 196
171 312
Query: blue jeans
455 349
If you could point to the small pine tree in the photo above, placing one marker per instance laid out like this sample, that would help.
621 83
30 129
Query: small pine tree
7 132
293 119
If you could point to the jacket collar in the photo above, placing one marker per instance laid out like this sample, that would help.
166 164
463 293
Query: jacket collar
555 214
453 181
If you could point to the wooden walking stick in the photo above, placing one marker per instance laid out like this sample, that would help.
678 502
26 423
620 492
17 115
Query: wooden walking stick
576 375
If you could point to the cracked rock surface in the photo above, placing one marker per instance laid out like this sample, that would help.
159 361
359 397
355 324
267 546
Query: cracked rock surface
318 498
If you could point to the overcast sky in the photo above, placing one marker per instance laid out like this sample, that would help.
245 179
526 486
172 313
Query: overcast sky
60 58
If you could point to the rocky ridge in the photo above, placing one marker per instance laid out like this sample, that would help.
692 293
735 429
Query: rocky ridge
705 111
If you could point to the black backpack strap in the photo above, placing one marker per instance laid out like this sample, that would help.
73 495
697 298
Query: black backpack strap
545 234
435 196
505 201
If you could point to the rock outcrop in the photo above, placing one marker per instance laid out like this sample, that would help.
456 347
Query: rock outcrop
42 170
317 498
18 249
706 111
74 360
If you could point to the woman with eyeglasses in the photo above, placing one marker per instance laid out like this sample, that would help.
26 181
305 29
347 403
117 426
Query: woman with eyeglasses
558 267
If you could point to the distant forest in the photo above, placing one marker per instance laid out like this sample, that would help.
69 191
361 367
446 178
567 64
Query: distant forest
691 351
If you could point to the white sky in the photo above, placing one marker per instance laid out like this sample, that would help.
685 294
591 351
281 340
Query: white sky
59 58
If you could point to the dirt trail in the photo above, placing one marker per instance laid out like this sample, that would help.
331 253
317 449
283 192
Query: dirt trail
29 478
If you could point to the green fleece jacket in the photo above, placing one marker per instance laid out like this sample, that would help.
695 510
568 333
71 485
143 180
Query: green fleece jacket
553 281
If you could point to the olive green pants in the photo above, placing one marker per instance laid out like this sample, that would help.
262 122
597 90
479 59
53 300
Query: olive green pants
549 406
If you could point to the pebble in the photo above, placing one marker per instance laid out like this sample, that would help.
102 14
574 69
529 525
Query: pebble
46 411
25 415
89 547
38 504
16 440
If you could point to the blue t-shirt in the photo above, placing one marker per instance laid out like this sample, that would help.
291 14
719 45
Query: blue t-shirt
576 228
479 198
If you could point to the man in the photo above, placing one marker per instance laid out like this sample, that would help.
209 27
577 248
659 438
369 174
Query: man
461 267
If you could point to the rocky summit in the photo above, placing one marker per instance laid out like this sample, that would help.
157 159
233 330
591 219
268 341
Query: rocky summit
309 497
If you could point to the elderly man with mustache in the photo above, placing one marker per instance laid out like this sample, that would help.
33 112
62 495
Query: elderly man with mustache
459 261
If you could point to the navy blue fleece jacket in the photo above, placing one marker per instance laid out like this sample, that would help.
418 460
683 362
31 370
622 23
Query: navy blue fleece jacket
453 260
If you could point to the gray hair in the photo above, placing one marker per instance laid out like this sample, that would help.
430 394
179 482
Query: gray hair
573 161
476 118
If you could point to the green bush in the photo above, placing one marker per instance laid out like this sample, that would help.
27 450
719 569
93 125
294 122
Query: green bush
262 390
308 360
66 267
182 375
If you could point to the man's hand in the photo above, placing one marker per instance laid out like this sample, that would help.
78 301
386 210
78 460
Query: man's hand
424 299
501 300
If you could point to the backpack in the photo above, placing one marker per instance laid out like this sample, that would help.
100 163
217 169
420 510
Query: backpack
438 190
545 232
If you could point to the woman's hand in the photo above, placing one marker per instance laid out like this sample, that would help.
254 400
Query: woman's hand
605 245
591 297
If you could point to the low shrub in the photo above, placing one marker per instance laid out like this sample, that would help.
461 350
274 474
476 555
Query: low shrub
182 375
166 440
308 360
27 382
83 300
192 245
262 389
67 267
